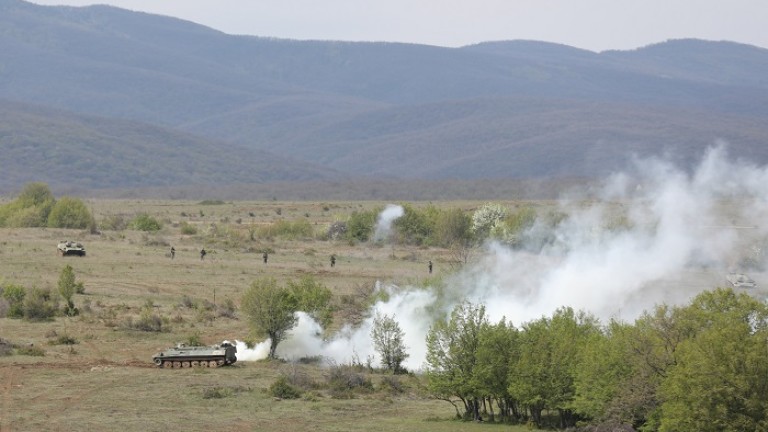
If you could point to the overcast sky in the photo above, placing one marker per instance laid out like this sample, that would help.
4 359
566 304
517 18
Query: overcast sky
596 25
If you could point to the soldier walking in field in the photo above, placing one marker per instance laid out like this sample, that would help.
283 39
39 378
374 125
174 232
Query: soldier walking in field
173 252
333 260
266 257
202 254
430 266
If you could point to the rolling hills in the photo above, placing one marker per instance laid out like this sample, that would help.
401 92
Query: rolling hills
134 100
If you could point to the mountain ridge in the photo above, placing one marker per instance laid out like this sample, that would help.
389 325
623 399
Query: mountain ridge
304 110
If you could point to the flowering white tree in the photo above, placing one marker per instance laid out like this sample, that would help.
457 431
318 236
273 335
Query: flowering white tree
488 220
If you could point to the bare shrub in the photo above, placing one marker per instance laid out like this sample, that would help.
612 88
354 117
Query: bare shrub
297 376
345 381
6 348
392 384
4 307
226 310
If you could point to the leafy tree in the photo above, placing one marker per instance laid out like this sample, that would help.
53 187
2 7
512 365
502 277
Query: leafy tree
30 208
313 298
549 359
271 311
488 219
452 356
145 222
453 227
70 213
67 289
14 295
719 379
603 383
35 194
388 340
497 352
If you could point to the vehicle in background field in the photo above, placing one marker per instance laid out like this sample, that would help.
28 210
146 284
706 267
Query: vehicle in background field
71 248
739 280
223 354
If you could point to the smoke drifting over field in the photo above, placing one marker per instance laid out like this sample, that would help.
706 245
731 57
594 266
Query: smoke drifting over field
385 220
655 235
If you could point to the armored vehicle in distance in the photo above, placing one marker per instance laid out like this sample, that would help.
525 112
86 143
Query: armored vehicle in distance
180 356
739 280
67 247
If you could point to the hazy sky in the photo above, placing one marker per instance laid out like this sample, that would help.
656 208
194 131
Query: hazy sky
591 24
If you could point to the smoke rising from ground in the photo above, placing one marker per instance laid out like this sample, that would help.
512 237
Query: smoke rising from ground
655 235
384 222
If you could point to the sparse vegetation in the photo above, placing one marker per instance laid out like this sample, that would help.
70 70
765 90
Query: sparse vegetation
139 301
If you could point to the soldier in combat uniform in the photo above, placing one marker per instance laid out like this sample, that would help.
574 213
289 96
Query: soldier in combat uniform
202 254
333 260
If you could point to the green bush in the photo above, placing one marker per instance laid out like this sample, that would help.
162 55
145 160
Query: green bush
360 225
114 223
70 212
414 227
194 340
281 388
40 305
188 229
30 208
14 295
31 351
145 222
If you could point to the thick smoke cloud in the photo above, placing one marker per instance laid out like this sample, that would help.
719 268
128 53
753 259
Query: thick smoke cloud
385 220
655 235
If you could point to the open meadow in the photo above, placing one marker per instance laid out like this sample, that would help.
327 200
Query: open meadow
94 371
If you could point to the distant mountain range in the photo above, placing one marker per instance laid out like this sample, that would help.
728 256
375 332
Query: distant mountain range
103 98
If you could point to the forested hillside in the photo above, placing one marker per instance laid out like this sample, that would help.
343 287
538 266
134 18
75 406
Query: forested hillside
496 110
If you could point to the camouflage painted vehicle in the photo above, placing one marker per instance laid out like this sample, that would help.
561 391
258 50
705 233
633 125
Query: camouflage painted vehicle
67 247
206 356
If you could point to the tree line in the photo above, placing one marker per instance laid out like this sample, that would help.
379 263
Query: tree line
699 367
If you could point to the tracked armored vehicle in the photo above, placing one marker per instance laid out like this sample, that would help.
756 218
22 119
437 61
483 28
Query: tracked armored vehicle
71 248
739 280
182 356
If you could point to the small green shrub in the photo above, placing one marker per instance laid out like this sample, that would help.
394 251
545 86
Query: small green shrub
14 295
188 229
114 223
217 392
145 222
40 305
31 350
281 388
194 340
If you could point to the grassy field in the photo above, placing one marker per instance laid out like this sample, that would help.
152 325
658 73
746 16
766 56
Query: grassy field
106 381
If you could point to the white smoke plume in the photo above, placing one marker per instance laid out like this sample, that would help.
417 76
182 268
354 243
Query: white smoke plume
384 222
678 234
